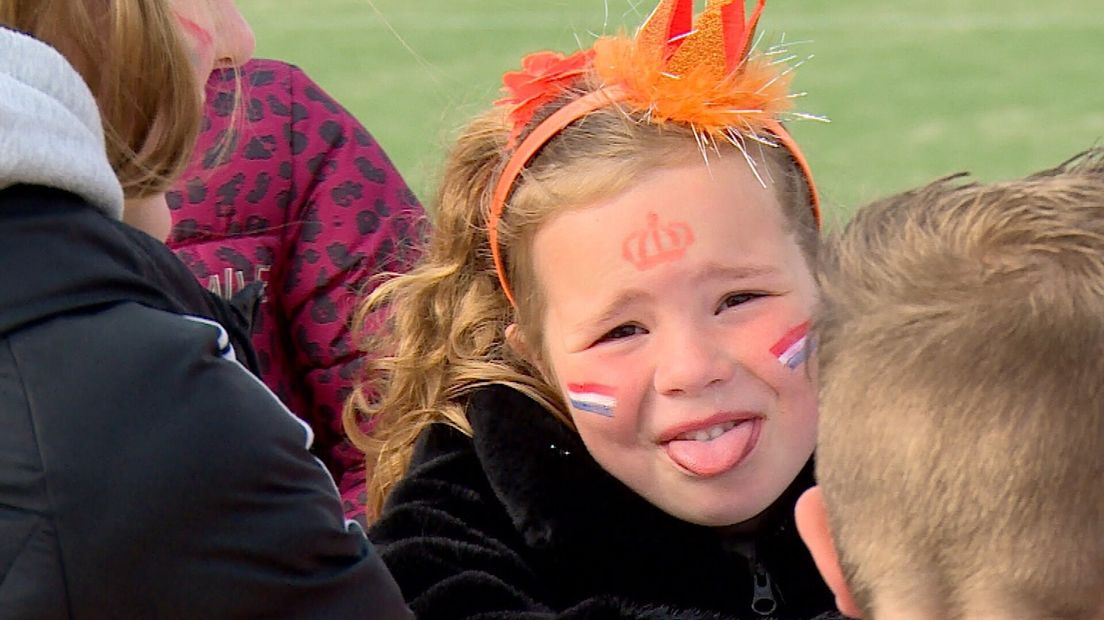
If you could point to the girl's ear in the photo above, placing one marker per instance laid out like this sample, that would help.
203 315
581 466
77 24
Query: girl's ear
516 341
811 516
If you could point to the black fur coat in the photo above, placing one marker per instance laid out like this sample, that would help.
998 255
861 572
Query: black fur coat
520 522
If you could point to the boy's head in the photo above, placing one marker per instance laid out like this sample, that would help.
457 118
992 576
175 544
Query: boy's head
961 446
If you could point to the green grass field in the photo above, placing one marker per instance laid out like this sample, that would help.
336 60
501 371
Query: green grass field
915 90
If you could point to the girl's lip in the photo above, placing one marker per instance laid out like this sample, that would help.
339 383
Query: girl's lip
673 432
718 455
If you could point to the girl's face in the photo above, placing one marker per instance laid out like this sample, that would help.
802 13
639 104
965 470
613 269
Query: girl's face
217 34
673 328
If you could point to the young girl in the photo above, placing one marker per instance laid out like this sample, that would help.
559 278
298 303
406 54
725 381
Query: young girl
596 403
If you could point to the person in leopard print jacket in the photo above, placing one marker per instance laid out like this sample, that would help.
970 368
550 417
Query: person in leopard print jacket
288 189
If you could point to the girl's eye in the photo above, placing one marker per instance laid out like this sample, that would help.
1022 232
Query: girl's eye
621 331
736 299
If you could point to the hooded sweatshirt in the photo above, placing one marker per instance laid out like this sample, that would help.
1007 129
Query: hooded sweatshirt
143 471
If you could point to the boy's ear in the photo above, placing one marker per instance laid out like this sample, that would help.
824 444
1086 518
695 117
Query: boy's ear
516 341
812 524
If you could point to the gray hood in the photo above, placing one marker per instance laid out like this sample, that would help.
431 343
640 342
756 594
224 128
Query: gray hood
50 130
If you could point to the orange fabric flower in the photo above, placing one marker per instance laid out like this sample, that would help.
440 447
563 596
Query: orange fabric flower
544 76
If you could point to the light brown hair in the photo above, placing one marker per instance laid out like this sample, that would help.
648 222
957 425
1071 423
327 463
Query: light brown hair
447 317
132 56
961 360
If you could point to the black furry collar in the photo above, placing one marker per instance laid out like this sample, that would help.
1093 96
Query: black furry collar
580 520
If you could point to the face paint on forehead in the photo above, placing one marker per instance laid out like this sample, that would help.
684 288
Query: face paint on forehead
794 348
592 398
657 243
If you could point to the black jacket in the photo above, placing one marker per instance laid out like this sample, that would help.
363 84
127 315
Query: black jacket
520 522
143 474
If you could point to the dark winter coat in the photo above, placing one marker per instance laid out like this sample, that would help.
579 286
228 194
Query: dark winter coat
143 473
520 522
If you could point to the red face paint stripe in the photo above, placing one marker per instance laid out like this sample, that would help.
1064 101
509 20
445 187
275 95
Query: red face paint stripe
592 388
199 32
592 398
789 339
794 348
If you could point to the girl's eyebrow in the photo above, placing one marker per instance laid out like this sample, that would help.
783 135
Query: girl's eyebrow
716 271
617 306
711 271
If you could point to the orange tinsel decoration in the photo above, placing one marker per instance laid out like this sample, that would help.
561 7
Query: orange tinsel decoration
701 96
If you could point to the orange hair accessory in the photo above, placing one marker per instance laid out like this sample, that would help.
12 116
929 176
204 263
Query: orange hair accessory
544 77
674 71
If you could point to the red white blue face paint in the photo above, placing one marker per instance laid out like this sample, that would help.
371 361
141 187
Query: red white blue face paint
592 398
794 348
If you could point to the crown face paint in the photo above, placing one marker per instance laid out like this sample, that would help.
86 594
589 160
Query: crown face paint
794 348
592 398
657 243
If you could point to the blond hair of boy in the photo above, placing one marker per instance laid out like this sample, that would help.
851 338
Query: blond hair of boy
961 358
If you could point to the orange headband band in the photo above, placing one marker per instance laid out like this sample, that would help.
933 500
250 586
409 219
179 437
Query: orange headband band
521 156
556 123
697 74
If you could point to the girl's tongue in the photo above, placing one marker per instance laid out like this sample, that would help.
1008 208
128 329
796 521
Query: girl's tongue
713 451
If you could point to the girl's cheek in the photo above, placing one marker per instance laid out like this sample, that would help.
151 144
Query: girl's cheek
204 63
201 48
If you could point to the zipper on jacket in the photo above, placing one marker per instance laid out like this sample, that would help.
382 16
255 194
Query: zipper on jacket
764 596
762 593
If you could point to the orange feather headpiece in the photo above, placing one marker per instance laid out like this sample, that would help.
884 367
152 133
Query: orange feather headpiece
675 70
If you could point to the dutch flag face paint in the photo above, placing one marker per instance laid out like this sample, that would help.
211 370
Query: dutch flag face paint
592 398
794 348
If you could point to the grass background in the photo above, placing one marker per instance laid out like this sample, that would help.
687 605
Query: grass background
915 89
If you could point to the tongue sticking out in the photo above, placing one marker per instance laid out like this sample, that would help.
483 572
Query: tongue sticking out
716 456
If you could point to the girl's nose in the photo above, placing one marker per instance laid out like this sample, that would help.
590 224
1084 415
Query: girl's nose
234 40
689 362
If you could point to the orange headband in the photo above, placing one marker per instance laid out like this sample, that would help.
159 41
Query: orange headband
674 71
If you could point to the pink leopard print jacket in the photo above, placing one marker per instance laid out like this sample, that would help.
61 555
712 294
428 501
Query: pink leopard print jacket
301 197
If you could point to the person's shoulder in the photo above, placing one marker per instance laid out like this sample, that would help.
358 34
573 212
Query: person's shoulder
135 380
158 330
508 425
487 408
511 447
263 71
260 77
440 439
270 73
151 356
